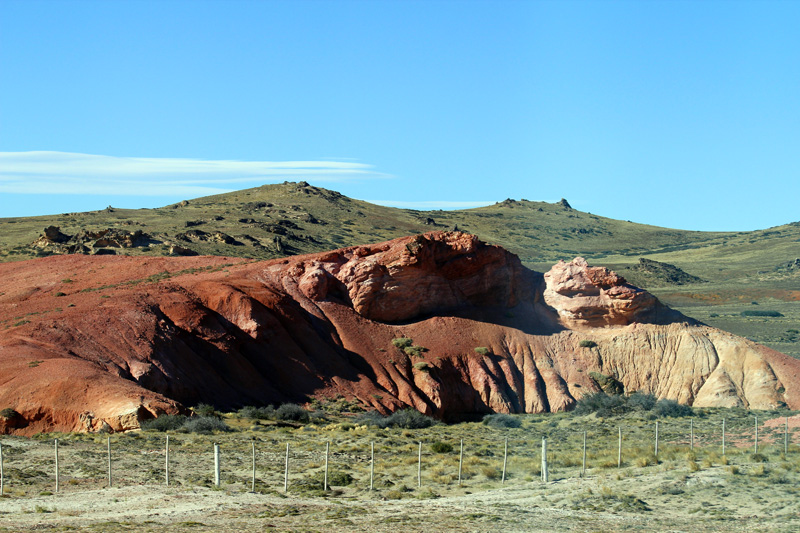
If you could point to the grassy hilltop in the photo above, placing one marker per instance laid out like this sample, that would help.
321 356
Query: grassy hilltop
737 281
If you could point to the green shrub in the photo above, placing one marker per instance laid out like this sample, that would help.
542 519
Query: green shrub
615 404
773 314
441 447
317 416
587 344
422 366
8 412
60 294
372 418
339 479
482 350
407 345
164 423
639 401
608 384
204 425
410 419
204 409
291 411
501 420
414 351
257 413
405 418
402 342
490 472
601 403
309 485
671 408
199 424
337 405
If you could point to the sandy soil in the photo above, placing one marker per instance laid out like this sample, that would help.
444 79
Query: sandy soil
707 500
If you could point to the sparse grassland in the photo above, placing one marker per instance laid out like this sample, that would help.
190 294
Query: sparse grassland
688 482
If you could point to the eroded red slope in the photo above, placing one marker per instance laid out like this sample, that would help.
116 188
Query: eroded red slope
132 338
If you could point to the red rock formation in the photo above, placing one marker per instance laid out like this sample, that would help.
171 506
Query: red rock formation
425 274
131 337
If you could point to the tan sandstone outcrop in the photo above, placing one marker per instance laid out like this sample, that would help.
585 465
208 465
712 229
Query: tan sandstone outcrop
586 296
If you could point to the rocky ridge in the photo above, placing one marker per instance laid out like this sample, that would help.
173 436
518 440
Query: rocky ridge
120 339
657 273
91 241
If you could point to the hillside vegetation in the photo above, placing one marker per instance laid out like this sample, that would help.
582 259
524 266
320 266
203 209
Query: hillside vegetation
712 276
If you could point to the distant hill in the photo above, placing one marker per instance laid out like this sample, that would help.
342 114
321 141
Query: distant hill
657 274
293 218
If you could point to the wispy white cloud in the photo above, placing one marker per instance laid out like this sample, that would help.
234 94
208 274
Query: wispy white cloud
72 173
433 204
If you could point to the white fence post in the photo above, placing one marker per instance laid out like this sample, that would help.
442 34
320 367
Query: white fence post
460 461
419 466
166 462
216 464
786 437
756 437
253 484
544 460
286 471
505 461
108 450
56 449
371 465
327 450
723 437
583 463
656 448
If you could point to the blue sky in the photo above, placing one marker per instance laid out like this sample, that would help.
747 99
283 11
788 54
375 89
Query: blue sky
678 114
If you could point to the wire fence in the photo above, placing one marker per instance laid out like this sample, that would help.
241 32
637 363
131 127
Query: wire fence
379 460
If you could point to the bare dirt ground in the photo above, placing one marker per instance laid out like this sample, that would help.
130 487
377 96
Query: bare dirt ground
710 502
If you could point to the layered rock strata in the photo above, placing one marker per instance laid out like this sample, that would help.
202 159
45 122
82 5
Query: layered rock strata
440 322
